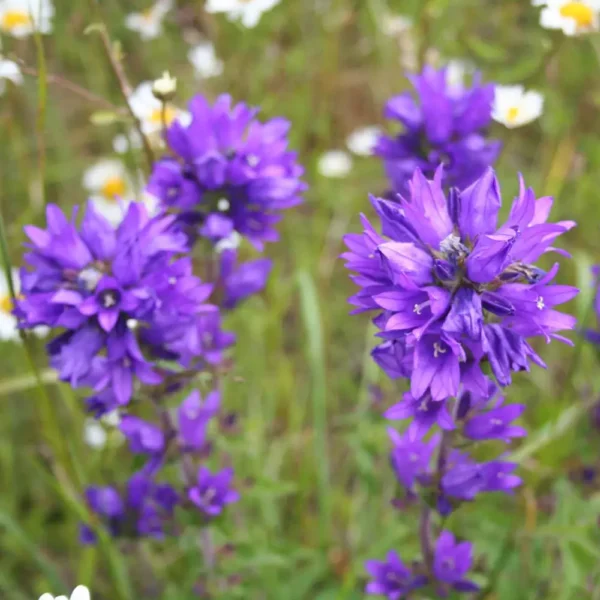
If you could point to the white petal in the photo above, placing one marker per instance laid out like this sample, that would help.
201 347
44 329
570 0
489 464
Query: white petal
46 597
80 593
10 70
94 435
363 140
335 163
97 175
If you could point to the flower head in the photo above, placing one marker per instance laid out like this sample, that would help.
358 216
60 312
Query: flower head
391 578
241 281
335 164
363 141
443 125
213 492
149 23
9 71
572 17
194 416
151 111
79 593
22 18
248 12
122 296
454 289
451 563
232 173
164 87
411 457
205 61
514 107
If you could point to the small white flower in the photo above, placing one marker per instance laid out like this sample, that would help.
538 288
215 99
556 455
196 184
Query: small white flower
149 23
21 18
8 322
79 593
248 12
573 18
9 71
335 163
456 73
110 188
164 87
232 242
514 107
205 61
96 431
122 142
362 141
395 25
149 109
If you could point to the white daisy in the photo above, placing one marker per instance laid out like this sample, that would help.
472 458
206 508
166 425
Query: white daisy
9 71
335 163
248 12
8 322
122 142
205 61
573 18
514 107
149 23
96 431
148 109
110 188
21 18
79 593
363 140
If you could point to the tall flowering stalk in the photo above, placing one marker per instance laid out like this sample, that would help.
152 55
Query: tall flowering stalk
133 320
457 298
444 122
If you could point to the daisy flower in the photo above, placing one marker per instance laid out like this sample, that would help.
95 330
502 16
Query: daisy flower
96 431
148 109
205 61
514 107
79 593
9 71
573 18
248 12
110 188
335 163
8 322
363 140
149 23
21 18
123 142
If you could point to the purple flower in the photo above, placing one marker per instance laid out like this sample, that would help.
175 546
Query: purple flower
143 437
467 479
231 172
451 563
125 296
454 289
213 492
194 416
496 424
391 578
424 412
444 125
241 281
411 458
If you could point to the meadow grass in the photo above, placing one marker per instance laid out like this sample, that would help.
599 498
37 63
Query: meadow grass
310 450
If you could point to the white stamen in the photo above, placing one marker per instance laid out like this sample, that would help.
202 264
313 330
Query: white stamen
90 277
423 406
252 160
438 349
132 323
540 303
172 280
223 204
417 309
496 422
413 457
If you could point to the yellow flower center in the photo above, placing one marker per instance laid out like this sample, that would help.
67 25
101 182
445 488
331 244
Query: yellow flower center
512 115
148 15
12 19
580 12
170 115
6 304
114 188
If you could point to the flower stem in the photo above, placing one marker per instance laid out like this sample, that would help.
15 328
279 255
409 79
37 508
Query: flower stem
425 537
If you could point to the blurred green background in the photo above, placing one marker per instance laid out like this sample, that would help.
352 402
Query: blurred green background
310 450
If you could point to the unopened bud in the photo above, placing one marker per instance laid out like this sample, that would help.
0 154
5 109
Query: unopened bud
164 87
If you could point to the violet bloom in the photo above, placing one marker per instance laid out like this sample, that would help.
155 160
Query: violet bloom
411 458
496 424
143 437
445 124
231 172
124 297
391 578
467 479
213 492
241 281
451 563
194 416
453 289
424 413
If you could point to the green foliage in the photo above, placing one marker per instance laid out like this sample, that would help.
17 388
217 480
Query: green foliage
311 451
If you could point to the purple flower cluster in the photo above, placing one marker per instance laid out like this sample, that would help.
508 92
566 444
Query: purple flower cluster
228 173
457 296
444 125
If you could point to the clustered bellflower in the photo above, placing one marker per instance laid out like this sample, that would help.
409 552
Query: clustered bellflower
457 298
228 172
134 322
443 124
